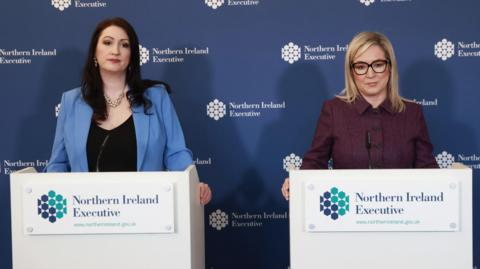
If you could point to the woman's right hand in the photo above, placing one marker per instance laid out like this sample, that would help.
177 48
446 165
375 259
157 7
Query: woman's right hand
205 193
286 188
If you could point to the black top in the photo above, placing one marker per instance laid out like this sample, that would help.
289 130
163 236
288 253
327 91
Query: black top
112 150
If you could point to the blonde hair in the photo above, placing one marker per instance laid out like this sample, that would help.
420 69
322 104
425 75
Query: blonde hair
359 44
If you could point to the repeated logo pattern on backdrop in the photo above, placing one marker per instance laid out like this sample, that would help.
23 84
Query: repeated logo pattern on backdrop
218 219
144 55
317 52
214 3
52 206
445 159
216 109
367 2
291 53
444 49
61 4
170 55
258 72
292 162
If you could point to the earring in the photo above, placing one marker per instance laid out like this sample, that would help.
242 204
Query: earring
95 61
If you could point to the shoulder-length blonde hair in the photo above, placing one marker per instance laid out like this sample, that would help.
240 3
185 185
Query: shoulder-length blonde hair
359 44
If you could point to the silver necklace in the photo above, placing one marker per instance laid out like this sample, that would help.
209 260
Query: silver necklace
115 102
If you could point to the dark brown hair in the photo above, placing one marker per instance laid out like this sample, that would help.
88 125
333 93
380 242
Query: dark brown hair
92 84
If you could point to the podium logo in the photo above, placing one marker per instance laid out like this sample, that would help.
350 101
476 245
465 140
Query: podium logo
445 159
52 206
291 53
57 110
218 219
292 162
334 203
144 55
214 4
61 4
216 109
444 49
367 2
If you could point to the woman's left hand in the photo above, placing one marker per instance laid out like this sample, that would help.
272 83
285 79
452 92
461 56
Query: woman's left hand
205 193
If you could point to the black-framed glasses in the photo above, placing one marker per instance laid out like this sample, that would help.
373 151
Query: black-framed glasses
378 66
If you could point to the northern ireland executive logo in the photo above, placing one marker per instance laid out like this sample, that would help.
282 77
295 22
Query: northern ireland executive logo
144 55
216 109
158 55
367 2
291 53
444 49
292 162
218 219
52 206
61 4
334 203
64 4
445 159
214 4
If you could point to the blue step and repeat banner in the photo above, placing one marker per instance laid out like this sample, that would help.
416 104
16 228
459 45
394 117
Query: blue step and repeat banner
249 78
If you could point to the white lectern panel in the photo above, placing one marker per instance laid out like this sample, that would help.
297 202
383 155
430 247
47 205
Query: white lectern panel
382 249
183 248
76 207
397 204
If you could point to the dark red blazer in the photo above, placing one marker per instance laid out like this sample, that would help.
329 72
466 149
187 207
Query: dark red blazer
398 140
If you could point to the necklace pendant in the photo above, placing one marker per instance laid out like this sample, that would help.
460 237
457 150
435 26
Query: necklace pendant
114 103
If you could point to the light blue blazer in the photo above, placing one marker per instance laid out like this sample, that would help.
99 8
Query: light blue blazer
160 140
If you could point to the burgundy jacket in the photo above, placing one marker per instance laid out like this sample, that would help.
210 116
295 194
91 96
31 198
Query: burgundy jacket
397 140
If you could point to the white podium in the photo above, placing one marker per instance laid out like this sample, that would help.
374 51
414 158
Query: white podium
377 219
107 220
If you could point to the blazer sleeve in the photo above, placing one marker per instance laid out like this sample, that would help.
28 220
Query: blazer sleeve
423 148
177 157
321 149
59 161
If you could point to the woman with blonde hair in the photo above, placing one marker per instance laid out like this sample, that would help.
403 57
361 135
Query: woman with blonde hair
369 125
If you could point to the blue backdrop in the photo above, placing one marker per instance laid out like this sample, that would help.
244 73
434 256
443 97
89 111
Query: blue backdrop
248 79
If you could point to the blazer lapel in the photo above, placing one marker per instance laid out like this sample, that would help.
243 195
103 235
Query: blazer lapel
83 116
142 125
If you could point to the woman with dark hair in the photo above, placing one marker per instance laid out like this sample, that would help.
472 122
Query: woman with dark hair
116 121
